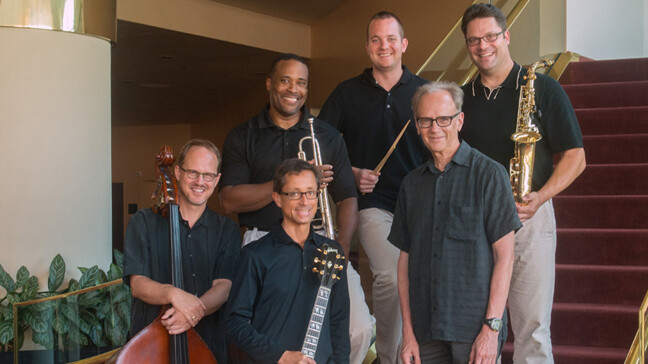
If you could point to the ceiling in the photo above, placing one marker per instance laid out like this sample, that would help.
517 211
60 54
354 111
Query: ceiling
301 11
162 77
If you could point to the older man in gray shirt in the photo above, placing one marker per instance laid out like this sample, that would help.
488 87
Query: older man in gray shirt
454 223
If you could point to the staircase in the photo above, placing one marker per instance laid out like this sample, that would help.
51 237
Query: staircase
602 218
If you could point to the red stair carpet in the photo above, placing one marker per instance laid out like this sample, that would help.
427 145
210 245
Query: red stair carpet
602 218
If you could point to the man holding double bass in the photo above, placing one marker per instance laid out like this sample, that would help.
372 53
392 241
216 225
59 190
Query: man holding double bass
210 246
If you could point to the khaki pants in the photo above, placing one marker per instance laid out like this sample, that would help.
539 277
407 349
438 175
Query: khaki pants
532 287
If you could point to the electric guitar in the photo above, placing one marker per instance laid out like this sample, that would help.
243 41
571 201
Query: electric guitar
330 263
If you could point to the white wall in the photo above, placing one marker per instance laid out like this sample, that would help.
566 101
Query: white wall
55 148
602 29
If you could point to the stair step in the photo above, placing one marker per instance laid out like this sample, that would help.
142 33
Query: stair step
608 212
613 120
606 71
610 179
601 284
611 94
617 149
612 326
564 354
602 246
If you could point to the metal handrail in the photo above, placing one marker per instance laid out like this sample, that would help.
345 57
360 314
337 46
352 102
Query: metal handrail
637 352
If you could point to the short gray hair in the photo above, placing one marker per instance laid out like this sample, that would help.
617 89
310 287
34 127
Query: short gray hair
437 86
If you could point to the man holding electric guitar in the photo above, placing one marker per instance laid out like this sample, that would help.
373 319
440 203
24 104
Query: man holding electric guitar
289 301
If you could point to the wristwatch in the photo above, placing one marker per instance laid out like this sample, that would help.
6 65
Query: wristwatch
494 323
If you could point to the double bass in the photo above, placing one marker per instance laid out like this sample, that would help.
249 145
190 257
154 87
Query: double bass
154 344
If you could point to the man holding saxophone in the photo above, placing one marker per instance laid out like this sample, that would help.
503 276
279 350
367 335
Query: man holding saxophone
491 103
253 150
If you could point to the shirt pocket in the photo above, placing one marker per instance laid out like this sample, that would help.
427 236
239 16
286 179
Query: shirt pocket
464 223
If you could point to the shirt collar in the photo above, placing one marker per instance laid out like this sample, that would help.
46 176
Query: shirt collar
266 121
406 77
512 81
282 238
460 158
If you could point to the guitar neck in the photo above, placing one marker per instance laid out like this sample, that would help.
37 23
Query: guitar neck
316 322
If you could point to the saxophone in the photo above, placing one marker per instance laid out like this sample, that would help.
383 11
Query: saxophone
525 136
324 206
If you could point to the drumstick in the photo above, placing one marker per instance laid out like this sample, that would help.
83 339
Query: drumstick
391 149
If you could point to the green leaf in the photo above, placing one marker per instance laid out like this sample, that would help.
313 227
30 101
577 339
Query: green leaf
21 276
116 335
44 338
6 332
114 272
73 286
78 337
96 334
35 321
13 297
6 312
6 281
122 294
119 258
89 277
83 269
56 273
71 312
60 325
124 312
30 290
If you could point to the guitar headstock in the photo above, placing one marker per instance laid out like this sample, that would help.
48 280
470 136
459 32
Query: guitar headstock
166 191
328 265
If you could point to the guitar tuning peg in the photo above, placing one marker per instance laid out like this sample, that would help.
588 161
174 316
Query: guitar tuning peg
319 250
338 278
337 256
340 267
315 270
316 260
334 276
321 272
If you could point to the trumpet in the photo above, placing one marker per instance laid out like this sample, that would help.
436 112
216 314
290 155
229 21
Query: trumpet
323 203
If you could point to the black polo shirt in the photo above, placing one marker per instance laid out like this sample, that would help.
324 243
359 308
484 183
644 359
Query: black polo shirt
272 298
370 118
253 150
209 251
491 116
447 222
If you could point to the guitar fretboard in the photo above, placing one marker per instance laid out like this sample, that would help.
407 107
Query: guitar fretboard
316 321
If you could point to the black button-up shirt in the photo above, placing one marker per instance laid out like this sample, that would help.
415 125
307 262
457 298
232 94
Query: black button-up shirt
253 150
447 222
209 251
272 298
370 118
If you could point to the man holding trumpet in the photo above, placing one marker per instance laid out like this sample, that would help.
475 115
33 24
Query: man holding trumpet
253 150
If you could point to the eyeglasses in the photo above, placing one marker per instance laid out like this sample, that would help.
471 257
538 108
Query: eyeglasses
442 121
488 38
208 177
311 195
